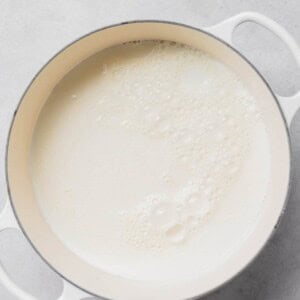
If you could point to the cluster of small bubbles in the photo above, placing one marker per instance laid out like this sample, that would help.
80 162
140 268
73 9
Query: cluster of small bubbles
169 220
139 233
207 126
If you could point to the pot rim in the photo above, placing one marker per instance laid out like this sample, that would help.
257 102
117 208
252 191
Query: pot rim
204 31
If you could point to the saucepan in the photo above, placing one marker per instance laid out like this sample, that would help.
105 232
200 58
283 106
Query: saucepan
80 278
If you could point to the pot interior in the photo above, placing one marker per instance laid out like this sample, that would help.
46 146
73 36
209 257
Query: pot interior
26 207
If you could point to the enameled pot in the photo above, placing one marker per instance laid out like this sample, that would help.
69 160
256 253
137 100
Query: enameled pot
80 277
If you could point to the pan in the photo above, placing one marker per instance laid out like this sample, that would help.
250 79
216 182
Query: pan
22 211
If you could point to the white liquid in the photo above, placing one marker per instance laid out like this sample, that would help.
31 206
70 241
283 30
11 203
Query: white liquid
151 161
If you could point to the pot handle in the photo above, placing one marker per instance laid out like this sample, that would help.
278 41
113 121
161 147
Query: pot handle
225 29
70 292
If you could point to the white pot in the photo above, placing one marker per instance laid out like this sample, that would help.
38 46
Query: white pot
216 41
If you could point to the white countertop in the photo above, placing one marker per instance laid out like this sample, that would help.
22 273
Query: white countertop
32 31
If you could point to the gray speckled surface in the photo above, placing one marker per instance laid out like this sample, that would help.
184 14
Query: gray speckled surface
31 31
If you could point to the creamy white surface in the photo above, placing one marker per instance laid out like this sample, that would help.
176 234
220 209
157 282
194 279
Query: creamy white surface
145 162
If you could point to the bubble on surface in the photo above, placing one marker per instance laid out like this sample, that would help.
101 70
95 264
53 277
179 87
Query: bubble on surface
198 204
163 214
124 123
99 118
220 136
163 126
176 233
233 170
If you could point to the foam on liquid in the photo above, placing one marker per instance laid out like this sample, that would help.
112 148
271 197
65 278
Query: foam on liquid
145 161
